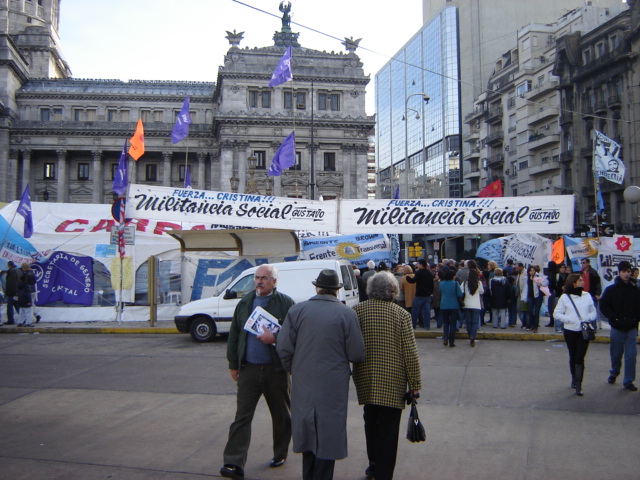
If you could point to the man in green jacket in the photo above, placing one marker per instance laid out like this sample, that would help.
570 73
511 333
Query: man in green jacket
255 366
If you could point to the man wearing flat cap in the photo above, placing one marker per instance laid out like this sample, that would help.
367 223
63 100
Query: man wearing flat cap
318 341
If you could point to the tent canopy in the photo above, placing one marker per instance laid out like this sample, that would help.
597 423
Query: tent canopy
266 242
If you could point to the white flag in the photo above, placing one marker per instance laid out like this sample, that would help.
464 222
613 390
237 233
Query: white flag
606 158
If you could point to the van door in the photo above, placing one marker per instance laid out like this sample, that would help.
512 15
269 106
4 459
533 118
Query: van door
350 285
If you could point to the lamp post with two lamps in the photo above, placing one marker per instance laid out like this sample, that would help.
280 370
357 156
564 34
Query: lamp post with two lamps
251 185
426 99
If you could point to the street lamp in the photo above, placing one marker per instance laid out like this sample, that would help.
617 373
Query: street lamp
252 161
426 99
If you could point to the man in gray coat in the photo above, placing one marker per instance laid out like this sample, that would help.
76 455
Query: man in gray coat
318 339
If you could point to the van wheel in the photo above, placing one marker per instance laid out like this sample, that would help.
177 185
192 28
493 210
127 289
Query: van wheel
203 329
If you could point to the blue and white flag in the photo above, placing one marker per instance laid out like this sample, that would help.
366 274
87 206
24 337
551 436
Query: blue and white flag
283 72
24 209
606 158
285 157
121 179
183 120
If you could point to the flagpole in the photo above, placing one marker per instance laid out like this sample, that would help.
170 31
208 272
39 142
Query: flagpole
596 185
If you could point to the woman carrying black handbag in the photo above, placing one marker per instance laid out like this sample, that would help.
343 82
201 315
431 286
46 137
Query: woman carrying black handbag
575 308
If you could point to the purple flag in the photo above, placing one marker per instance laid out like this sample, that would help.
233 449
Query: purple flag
285 157
121 178
397 194
181 128
187 177
24 209
283 72
65 277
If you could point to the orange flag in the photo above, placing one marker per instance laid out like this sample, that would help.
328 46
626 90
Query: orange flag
492 190
557 251
136 150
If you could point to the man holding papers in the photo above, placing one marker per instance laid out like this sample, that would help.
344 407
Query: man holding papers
255 366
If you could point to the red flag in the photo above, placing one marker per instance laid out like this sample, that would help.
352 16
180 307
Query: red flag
137 142
492 190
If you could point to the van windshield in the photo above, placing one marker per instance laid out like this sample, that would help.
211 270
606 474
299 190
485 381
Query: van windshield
243 286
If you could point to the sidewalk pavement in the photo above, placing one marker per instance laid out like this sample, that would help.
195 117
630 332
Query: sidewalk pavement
486 332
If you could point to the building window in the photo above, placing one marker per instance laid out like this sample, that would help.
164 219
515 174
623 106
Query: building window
328 101
114 170
124 115
253 98
90 114
614 41
523 88
112 115
601 49
151 170
49 171
288 100
145 115
301 100
77 115
261 159
329 162
586 57
266 99
83 171
45 114
298 165
182 172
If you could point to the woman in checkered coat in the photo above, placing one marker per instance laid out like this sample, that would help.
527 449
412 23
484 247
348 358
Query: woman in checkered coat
391 367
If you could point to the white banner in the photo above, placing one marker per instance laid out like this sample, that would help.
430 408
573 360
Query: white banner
548 214
235 209
606 158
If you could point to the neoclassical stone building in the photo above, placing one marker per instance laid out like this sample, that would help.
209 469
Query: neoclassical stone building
63 136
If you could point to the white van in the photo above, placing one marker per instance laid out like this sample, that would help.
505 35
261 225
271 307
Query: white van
206 317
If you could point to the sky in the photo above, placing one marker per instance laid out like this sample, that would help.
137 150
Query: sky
185 39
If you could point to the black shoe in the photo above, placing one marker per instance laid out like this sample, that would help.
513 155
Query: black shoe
232 471
611 379
370 472
579 391
9 323
277 462
38 317
631 387
549 325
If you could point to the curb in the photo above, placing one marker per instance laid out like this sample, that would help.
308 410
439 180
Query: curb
517 337
91 330
434 334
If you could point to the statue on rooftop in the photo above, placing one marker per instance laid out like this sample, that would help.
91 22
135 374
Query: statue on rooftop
285 8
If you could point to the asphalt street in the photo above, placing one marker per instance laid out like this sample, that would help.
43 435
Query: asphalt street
100 406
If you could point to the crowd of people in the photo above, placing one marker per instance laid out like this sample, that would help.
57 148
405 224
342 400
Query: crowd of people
323 343
18 292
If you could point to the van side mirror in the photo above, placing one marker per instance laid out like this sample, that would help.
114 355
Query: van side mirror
229 294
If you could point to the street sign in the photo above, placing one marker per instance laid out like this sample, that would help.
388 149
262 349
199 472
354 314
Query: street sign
129 235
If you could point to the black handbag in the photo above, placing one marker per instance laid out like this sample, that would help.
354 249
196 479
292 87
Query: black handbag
588 332
415 429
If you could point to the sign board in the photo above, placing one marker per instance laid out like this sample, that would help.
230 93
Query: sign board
129 235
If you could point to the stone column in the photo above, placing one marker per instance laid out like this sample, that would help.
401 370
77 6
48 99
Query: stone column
26 173
61 173
12 190
98 175
166 168
201 170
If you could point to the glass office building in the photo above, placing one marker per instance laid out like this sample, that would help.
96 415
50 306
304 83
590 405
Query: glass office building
429 136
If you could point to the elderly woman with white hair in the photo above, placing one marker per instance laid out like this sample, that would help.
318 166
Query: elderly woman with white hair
390 369
371 271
